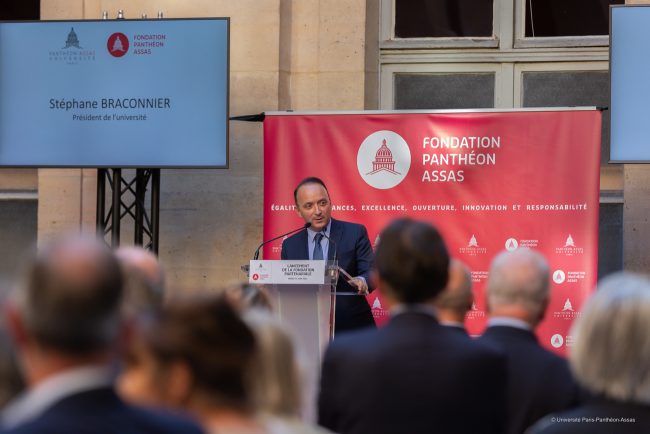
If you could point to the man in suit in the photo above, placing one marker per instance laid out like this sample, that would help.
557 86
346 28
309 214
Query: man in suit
456 300
66 324
413 375
539 382
350 246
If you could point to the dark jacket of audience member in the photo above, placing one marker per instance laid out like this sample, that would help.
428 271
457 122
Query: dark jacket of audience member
611 359
66 323
11 379
413 375
539 382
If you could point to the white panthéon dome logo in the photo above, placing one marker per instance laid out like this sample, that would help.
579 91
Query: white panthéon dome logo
384 159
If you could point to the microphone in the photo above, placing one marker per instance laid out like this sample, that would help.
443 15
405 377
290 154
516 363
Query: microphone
333 243
301 228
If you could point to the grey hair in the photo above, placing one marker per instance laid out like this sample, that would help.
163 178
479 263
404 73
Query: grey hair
519 277
611 354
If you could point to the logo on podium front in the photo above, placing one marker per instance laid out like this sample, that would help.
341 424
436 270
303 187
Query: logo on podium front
383 159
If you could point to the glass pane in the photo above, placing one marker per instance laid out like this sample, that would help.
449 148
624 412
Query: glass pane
443 18
546 18
444 91
567 89
610 239
20 10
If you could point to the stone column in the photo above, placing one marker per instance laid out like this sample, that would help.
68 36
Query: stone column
636 211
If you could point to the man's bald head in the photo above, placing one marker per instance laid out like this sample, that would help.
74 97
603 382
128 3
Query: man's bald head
71 298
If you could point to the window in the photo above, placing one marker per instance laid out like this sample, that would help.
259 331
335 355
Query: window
444 90
562 23
549 18
20 10
439 23
18 222
443 18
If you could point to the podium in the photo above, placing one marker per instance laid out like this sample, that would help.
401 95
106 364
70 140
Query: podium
304 297
303 292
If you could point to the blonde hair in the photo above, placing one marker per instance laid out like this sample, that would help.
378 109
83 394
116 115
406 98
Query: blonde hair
611 354
277 373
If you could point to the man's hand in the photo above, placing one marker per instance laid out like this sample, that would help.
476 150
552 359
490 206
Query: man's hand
360 284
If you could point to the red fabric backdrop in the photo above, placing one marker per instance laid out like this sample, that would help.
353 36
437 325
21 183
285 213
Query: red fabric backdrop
487 180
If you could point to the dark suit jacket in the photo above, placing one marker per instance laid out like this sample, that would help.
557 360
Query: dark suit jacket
354 255
412 376
583 419
539 382
101 411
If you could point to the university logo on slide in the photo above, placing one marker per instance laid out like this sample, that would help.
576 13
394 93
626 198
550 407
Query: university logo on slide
72 41
72 53
118 44
384 159
559 276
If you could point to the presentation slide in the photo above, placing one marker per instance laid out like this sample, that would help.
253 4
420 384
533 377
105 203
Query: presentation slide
629 65
118 93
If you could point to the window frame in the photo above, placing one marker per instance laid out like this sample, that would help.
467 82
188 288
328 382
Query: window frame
521 68
521 41
388 40
388 73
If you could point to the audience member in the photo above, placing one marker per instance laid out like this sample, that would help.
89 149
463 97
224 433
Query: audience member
279 377
144 280
65 322
453 303
611 359
246 296
539 382
11 379
197 355
413 375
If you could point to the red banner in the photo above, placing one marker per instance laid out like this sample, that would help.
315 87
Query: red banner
488 180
